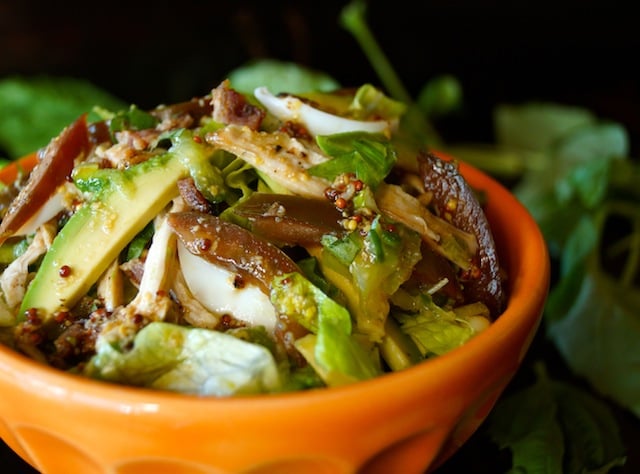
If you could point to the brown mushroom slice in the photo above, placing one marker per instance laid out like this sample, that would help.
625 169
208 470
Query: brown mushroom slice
55 166
236 249
435 271
455 201
290 220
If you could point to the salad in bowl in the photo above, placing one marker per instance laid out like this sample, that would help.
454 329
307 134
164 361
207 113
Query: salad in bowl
242 244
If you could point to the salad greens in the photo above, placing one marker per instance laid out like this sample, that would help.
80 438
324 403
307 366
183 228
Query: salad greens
589 215
331 350
192 360
197 209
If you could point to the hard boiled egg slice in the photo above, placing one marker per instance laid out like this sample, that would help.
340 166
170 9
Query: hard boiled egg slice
213 286
317 122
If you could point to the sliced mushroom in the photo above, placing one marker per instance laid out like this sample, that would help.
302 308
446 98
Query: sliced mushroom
232 247
432 271
56 163
290 220
455 201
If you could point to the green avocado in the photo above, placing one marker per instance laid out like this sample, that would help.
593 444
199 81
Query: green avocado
95 235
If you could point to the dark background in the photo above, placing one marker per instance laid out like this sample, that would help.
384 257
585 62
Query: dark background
582 53
575 52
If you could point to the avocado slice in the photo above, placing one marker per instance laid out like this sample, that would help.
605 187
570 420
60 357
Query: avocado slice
94 235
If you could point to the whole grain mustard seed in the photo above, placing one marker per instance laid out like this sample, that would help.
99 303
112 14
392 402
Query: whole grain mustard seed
64 271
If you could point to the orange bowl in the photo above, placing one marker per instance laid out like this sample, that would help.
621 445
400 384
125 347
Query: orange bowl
408 421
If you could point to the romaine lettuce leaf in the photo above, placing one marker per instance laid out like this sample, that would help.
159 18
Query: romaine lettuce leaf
187 360
369 156
434 330
338 356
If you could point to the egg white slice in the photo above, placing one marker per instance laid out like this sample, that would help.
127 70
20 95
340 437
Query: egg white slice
316 121
213 286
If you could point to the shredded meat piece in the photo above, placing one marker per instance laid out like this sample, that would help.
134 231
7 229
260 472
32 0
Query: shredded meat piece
191 310
133 270
14 279
283 158
296 130
137 139
230 107
182 114
193 197
72 344
130 149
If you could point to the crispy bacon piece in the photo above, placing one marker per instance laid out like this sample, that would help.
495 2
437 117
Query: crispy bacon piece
193 197
230 106
182 114
455 201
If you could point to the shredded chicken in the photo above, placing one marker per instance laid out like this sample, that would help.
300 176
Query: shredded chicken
14 279
192 310
110 287
282 158
436 232
152 302
130 149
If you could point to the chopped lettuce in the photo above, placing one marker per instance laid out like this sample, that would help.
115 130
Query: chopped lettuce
369 156
338 356
130 119
434 330
187 360
371 269
370 101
